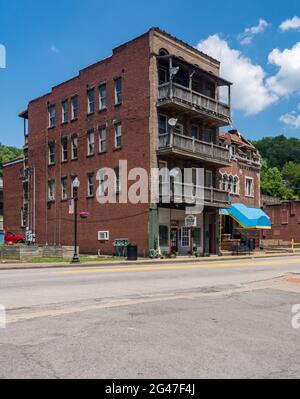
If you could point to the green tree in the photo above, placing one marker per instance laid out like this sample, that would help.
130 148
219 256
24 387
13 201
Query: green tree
291 175
279 150
7 154
272 183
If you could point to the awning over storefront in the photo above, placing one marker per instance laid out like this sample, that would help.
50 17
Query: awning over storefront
248 218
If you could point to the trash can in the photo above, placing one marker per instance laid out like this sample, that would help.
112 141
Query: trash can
132 252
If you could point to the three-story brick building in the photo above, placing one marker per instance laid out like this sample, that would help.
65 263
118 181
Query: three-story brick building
120 109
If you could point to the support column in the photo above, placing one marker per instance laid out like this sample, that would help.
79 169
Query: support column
153 229
217 232
206 233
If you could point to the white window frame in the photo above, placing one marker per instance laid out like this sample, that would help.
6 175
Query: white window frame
103 235
91 187
91 142
74 109
102 129
65 111
184 236
91 101
64 188
51 190
74 140
118 134
52 116
64 150
102 99
51 153
248 178
118 180
118 93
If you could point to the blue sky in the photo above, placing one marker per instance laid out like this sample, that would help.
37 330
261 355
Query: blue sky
49 42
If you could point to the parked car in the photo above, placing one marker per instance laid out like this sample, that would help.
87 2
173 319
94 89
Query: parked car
11 238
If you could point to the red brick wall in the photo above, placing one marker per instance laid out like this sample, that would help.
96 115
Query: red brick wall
237 169
12 197
280 229
54 225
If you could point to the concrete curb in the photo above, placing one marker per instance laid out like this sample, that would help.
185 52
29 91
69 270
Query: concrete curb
37 266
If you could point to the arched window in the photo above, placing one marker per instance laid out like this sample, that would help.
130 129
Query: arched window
163 52
230 183
236 186
224 186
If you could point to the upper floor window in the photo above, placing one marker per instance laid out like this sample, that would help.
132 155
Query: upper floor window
91 101
65 111
52 116
64 188
118 91
163 76
102 139
102 97
208 135
196 132
64 149
51 190
249 187
235 187
91 142
233 150
74 147
163 124
210 90
118 135
91 184
74 105
51 152
73 189
118 180
248 155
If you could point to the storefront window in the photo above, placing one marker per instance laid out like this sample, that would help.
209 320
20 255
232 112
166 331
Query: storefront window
164 236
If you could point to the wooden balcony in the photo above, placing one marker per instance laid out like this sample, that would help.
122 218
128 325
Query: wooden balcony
210 196
189 147
173 95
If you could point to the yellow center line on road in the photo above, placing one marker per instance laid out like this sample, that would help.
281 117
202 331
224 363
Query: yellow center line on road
179 267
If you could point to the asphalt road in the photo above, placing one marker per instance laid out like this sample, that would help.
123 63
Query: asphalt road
228 319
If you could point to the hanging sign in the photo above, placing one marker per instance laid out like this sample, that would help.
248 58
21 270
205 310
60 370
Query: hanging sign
191 221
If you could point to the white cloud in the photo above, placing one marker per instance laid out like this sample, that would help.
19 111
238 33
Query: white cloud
54 49
250 93
291 119
287 80
293 23
250 33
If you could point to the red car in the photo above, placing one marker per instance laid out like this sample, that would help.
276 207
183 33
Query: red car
11 238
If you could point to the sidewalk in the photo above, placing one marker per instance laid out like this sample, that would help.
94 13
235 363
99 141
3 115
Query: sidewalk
179 260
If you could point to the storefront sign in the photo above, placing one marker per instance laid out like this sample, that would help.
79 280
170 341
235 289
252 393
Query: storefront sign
191 221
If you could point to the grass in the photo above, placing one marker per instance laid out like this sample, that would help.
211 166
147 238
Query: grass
61 260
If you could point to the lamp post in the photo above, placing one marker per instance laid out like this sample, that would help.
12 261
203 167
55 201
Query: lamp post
75 184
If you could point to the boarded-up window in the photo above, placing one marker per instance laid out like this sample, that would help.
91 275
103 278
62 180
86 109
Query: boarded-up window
284 216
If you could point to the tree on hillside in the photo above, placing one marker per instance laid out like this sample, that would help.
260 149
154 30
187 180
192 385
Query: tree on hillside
7 154
291 175
279 150
272 183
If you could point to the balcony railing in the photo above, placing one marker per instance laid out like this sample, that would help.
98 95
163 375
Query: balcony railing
181 193
206 151
177 92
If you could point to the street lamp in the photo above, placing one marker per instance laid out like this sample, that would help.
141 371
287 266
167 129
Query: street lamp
75 185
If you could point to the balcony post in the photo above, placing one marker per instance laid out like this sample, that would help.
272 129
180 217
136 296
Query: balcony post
229 96
171 78
194 148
